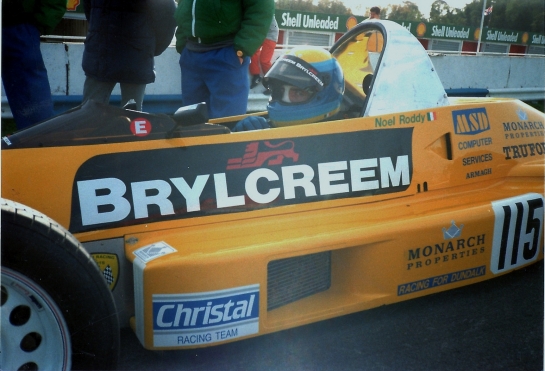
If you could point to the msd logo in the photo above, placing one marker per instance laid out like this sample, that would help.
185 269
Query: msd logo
470 121
203 318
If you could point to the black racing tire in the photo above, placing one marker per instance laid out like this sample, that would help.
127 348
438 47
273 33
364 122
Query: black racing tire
57 310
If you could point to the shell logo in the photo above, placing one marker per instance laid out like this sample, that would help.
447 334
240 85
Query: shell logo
421 29
476 34
71 5
351 22
525 37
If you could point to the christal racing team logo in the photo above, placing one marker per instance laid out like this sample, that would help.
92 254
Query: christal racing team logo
121 189
207 317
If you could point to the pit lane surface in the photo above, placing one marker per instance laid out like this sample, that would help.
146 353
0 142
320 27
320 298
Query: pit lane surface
494 325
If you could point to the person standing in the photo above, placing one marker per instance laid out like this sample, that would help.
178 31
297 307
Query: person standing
374 12
24 75
215 40
123 38
376 40
263 56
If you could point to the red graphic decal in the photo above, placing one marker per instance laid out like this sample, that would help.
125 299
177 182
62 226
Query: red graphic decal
140 127
254 157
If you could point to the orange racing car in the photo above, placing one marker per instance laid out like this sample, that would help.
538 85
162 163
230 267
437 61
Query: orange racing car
195 236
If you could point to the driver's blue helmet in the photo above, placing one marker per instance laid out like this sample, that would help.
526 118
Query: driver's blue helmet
312 69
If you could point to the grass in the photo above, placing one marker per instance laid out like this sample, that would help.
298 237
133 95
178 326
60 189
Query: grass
8 126
538 105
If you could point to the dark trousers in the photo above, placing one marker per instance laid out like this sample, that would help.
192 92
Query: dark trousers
217 78
24 75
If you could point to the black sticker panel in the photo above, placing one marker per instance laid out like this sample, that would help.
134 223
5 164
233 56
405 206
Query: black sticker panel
120 189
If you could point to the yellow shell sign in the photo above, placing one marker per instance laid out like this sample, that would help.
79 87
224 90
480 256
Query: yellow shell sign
421 29
351 22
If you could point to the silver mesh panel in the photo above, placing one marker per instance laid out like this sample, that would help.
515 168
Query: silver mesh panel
292 279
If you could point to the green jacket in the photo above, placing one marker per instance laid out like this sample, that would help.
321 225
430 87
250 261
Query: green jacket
44 14
245 21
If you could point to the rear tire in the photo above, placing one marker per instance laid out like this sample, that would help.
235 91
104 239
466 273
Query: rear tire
57 310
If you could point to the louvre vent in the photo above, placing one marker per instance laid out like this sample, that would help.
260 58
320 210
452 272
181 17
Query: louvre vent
292 279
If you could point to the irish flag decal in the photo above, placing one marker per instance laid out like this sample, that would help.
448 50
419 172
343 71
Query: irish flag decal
432 116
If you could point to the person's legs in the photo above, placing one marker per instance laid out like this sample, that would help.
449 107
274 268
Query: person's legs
194 89
24 75
96 90
227 80
133 91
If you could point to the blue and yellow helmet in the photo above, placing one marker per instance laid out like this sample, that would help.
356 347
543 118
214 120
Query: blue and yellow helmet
318 78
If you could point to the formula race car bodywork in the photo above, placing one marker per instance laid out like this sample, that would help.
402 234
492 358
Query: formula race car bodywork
206 236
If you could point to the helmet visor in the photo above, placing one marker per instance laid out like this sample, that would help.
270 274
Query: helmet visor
295 71
289 94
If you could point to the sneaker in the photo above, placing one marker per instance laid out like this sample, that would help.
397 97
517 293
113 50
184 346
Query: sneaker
256 79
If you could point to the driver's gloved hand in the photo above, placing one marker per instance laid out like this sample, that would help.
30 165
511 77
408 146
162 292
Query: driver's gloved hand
251 123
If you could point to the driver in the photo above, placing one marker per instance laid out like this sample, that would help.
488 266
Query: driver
307 86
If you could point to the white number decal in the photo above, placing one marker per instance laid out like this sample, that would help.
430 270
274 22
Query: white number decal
518 229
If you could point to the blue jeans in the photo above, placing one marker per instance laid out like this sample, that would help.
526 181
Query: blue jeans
217 78
24 75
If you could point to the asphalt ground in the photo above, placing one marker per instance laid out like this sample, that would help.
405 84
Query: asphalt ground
494 325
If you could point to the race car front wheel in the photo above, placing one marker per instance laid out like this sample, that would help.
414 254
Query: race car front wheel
57 311
34 333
